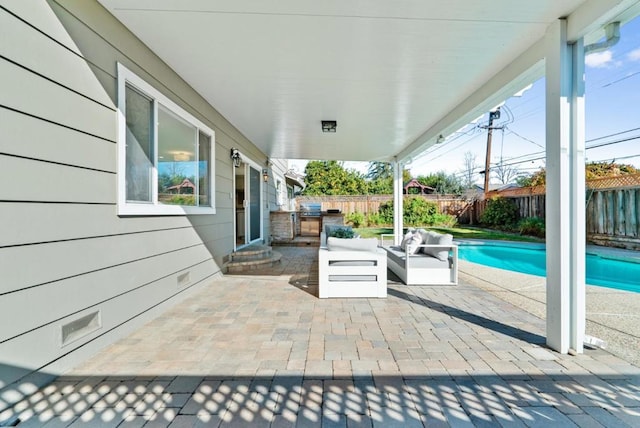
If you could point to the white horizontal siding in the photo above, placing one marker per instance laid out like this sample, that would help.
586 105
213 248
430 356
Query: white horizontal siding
43 55
59 260
25 136
43 345
89 290
33 94
33 180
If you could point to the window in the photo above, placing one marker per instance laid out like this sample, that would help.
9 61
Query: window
281 192
165 164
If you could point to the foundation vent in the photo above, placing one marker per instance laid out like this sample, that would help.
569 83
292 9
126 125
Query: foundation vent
81 327
184 279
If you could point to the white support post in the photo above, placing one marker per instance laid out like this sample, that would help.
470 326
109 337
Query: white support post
397 202
565 191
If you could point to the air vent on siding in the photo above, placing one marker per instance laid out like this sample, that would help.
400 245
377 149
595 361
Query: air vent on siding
184 279
80 327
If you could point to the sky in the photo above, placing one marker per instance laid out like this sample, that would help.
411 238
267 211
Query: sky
612 109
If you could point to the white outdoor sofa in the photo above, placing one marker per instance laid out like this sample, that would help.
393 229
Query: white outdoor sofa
430 260
351 268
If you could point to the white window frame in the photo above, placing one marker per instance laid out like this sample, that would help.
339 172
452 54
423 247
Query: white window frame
281 192
126 76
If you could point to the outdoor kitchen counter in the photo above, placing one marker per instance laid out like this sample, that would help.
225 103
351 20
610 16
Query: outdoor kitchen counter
285 225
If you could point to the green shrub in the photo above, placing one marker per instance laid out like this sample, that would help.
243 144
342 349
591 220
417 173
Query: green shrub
532 226
500 212
444 220
356 219
417 211
342 232
181 200
374 219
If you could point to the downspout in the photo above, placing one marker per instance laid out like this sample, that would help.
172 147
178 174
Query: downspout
612 36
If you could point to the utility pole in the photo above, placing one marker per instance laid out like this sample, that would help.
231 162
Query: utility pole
487 164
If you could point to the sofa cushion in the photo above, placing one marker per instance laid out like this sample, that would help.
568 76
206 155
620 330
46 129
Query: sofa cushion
438 239
342 244
399 257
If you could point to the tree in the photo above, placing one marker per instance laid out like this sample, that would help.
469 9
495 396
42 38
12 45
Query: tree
469 171
330 178
592 170
380 186
505 173
444 183
378 170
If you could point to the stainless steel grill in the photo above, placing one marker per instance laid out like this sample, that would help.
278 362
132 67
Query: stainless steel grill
310 210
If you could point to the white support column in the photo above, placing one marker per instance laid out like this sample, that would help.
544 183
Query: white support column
397 202
565 193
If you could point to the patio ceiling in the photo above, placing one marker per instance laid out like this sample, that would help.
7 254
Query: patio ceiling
394 75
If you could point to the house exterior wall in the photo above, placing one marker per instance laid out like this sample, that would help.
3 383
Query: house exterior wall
67 260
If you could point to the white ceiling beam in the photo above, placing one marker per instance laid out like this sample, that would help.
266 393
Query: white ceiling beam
590 18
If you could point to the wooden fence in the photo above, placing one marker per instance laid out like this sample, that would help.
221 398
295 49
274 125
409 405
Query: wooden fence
369 204
612 207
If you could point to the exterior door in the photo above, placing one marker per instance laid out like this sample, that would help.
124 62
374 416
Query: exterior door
248 204
253 210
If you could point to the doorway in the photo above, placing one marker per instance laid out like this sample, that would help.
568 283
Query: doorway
248 204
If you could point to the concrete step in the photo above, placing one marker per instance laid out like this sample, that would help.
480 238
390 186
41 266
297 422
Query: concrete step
253 252
250 265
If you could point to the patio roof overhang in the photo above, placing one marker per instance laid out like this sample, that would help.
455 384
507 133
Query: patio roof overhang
394 75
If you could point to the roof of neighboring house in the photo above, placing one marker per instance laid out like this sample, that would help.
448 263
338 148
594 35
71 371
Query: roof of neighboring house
415 183
185 183
295 179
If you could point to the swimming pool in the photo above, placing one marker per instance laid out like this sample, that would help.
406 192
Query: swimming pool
531 259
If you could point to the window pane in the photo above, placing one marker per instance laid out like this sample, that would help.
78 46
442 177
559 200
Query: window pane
139 149
204 167
177 166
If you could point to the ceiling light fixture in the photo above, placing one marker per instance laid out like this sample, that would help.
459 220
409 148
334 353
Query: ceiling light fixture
181 157
329 125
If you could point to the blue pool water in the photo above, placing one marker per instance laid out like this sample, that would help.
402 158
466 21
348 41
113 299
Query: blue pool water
618 274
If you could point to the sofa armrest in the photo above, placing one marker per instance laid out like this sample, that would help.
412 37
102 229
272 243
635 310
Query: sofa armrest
452 247
382 236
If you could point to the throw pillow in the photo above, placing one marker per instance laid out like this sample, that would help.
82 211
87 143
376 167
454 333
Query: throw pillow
406 239
438 239
413 242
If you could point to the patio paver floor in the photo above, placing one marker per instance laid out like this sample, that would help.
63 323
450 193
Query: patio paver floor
263 350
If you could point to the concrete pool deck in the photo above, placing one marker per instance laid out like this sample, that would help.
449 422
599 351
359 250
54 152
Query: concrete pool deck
612 315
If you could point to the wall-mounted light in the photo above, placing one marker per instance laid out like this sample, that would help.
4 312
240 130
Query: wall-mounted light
329 125
265 175
440 139
235 157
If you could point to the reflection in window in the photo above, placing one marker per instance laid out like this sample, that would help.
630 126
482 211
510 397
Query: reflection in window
177 161
165 154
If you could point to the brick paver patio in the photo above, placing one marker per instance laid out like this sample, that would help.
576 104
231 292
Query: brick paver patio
263 350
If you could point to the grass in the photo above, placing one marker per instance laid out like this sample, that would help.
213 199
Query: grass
460 232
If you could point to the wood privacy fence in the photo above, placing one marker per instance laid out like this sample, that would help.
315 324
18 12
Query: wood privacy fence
612 207
369 204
